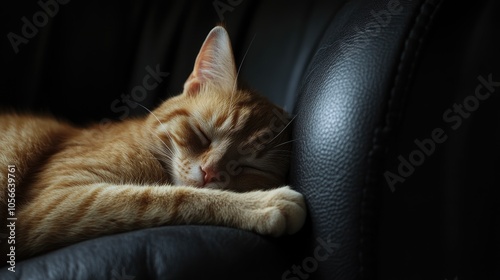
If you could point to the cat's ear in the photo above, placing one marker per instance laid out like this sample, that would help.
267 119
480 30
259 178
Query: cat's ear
214 64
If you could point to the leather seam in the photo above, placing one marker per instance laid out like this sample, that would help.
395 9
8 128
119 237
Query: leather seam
407 63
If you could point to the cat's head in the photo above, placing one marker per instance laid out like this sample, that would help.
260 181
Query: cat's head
218 135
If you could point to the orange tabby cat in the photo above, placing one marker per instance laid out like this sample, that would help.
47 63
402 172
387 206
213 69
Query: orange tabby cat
216 154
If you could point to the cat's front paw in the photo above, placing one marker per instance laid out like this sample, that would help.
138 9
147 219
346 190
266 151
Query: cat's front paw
283 210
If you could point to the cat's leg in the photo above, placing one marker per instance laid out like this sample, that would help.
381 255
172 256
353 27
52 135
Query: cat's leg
64 216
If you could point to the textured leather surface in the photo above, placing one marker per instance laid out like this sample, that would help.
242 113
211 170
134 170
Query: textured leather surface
180 252
341 109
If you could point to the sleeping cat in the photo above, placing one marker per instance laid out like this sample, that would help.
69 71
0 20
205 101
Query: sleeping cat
215 154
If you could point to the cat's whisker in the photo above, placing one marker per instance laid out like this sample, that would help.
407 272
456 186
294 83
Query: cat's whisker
168 133
235 85
285 151
145 108
160 151
164 144
284 143
284 128
284 157
280 152
167 160
159 159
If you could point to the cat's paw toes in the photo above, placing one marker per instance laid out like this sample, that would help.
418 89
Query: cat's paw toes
284 212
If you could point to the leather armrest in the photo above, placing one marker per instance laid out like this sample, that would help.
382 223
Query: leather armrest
171 252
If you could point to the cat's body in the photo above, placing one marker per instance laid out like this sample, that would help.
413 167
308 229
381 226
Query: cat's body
214 155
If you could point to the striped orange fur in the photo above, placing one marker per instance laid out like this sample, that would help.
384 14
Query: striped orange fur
215 154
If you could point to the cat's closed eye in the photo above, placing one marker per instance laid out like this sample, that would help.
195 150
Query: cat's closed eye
202 136
251 169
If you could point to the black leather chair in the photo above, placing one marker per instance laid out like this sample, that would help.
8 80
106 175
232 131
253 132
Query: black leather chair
397 131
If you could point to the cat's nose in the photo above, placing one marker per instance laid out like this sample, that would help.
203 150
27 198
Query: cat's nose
209 175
